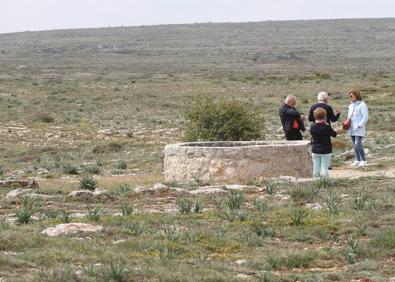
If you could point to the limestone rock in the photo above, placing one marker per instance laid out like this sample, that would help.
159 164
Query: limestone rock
27 183
70 228
97 194
15 194
209 190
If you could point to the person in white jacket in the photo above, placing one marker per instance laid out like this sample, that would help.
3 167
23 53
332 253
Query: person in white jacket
358 111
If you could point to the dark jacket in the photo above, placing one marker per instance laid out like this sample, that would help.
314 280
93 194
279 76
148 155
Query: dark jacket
288 115
330 116
321 138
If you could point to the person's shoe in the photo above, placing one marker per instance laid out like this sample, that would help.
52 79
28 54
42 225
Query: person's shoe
355 163
363 163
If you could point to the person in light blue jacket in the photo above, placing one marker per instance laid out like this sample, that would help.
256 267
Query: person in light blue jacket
358 111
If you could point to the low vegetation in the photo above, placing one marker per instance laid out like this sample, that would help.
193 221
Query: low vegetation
100 123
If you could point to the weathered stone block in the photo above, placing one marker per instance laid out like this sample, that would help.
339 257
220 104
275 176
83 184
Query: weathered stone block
235 162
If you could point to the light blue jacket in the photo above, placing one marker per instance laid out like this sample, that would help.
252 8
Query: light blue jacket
358 111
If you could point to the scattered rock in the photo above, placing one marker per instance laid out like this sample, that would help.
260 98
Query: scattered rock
18 173
160 186
314 206
70 228
18 193
240 261
157 188
97 194
42 171
15 194
28 183
118 242
209 190
104 132
243 276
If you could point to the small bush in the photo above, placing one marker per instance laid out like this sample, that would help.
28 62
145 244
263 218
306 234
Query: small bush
384 240
4 225
94 213
24 215
88 182
122 189
300 259
91 169
266 276
121 165
69 169
184 205
50 214
333 202
298 216
198 206
65 216
359 202
45 117
262 230
210 120
112 147
127 209
116 272
261 205
235 200
136 229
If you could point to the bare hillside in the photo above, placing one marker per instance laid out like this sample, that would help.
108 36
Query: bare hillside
358 45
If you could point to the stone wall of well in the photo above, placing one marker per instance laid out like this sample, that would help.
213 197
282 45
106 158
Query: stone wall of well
235 162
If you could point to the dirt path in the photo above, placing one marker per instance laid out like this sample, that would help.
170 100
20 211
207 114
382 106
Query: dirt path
348 172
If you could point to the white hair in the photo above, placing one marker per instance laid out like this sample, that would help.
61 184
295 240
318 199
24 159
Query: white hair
290 98
322 96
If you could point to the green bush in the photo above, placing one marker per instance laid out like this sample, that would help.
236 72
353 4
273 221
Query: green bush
211 120
88 182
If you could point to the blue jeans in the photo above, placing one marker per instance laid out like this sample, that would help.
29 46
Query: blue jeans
321 164
358 148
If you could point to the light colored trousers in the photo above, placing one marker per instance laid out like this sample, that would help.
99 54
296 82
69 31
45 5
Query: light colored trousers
321 164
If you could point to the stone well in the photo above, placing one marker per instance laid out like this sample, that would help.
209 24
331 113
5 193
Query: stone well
235 162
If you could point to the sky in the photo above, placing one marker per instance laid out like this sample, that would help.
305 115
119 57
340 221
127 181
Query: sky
32 15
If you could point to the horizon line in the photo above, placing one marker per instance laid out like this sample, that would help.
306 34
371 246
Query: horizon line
192 23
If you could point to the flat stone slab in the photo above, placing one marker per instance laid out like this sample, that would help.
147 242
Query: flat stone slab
70 228
235 162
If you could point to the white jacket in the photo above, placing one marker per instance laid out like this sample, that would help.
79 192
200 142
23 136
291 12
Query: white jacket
358 111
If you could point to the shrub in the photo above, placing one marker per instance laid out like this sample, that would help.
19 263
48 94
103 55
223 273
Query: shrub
87 182
127 209
235 200
121 165
122 189
184 205
24 215
333 202
112 147
210 120
45 117
92 169
298 216
94 214
4 225
69 169
116 272
136 229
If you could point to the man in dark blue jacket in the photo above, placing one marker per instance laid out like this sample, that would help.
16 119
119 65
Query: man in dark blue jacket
291 119
323 99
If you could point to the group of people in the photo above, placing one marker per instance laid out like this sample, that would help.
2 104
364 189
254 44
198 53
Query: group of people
321 115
